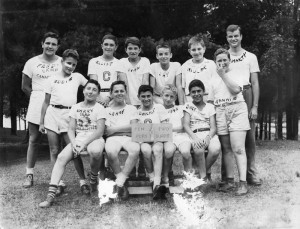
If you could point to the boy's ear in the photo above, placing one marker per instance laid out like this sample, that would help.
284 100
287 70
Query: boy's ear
171 55
189 50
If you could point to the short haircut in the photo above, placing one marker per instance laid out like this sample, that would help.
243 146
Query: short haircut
170 87
221 51
145 88
196 40
52 35
232 28
70 53
118 82
110 37
196 83
93 82
164 45
132 40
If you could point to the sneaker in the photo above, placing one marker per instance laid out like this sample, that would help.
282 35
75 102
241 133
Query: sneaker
226 187
28 181
60 190
47 203
158 191
164 191
208 178
124 194
117 191
242 189
254 181
85 190
94 187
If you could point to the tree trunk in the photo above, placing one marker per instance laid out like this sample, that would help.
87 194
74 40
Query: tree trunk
266 127
1 66
270 122
13 114
279 105
261 123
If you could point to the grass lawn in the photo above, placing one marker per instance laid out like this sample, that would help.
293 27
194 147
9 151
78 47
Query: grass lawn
276 204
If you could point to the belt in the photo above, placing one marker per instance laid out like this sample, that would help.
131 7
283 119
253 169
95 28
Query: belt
60 106
246 87
200 130
105 90
227 104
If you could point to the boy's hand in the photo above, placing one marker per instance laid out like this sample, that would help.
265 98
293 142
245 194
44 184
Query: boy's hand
42 129
221 71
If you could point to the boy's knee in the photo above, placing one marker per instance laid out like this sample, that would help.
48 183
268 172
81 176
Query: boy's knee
186 155
239 151
95 154
168 154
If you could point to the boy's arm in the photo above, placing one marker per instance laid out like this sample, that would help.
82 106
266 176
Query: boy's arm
181 95
152 81
145 80
255 93
98 133
71 131
122 76
111 131
43 111
26 84
233 87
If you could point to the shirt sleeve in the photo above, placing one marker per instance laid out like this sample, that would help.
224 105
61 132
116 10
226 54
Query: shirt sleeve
146 66
152 70
27 70
177 68
82 80
72 112
48 87
187 108
133 113
212 110
163 113
101 112
254 67
91 67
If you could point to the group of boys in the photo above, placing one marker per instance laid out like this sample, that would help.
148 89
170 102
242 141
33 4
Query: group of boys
135 71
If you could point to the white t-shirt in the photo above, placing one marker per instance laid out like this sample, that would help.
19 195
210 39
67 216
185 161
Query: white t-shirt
39 72
176 115
157 114
163 77
220 93
107 72
135 77
246 63
121 116
199 119
204 71
86 118
64 90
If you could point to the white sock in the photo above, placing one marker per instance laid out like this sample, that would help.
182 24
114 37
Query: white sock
61 183
151 176
29 171
121 178
156 180
82 182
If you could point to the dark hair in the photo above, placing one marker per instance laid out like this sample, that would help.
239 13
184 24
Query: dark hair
110 37
93 82
232 28
52 35
145 88
196 40
196 83
221 51
118 82
132 40
163 45
70 53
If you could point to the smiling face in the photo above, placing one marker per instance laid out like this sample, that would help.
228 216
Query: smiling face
91 92
197 52
133 51
118 93
197 94
234 38
109 47
146 99
164 55
68 65
168 98
223 61
50 46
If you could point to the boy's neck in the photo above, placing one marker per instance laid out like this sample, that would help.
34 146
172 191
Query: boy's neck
169 106
236 50
89 103
198 61
147 108
118 105
165 66
48 58
134 60
65 75
199 104
107 57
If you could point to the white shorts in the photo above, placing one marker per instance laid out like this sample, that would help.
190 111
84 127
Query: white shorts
120 139
203 134
179 138
35 107
79 139
232 117
57 119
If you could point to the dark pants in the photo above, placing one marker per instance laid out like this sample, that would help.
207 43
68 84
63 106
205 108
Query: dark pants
249 144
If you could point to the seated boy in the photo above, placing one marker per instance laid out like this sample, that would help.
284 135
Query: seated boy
120 116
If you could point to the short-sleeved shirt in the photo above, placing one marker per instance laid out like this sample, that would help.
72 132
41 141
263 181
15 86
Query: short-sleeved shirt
176 115
199 119
121 116
40 72
86 118
246 63
220 93
64 90
164 77
135 77
204 71
157 114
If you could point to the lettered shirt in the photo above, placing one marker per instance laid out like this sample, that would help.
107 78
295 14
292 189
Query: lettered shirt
157 114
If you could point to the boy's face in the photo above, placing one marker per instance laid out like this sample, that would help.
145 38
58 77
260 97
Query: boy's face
197 94
168 98
90 92
164 55
69 65
109 47
133 51
234 38
50 46
118 93
146 99
222 61
197 51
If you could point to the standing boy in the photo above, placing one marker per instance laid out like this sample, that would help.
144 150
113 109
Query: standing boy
137 70
246 63
196 68
164 72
